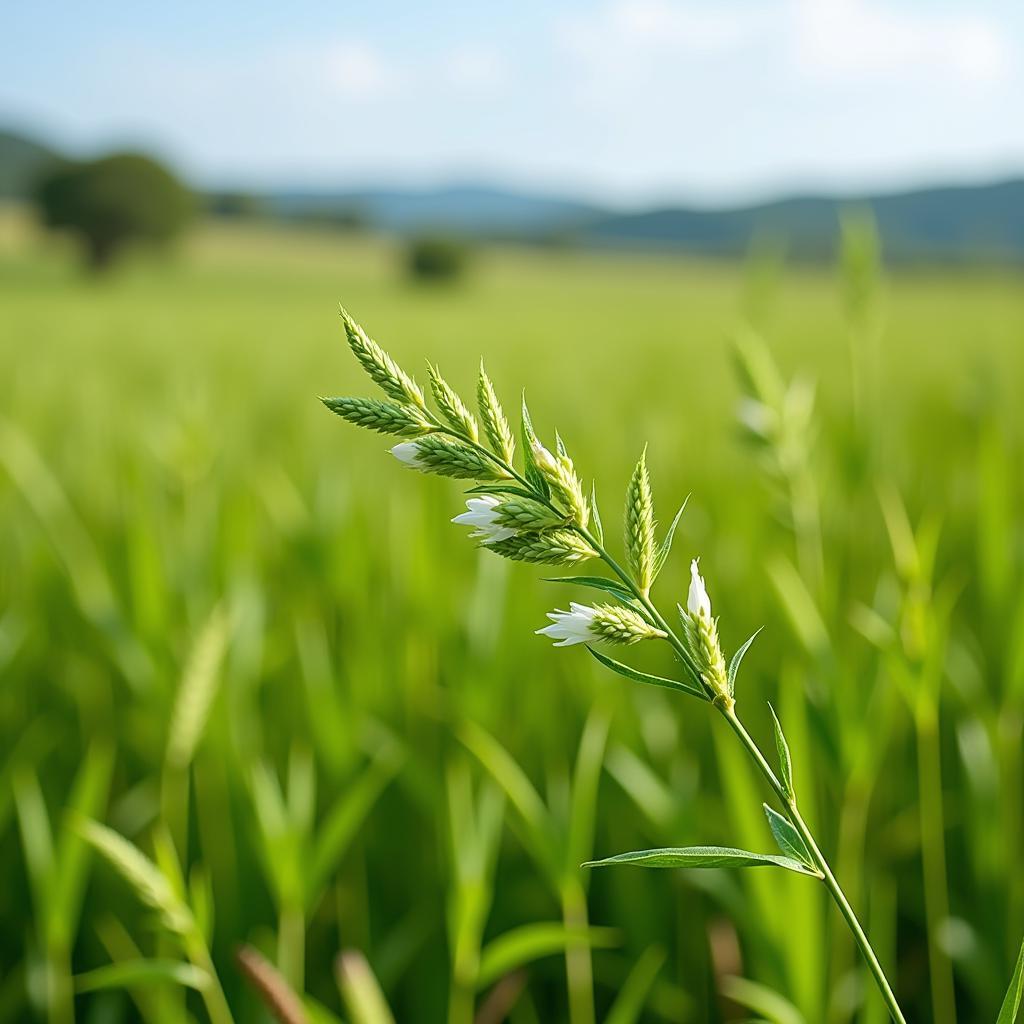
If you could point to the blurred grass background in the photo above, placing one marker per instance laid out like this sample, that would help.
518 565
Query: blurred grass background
172 494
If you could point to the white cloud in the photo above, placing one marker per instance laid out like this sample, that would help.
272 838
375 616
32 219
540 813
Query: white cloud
476 69
357 71
860 39
626 27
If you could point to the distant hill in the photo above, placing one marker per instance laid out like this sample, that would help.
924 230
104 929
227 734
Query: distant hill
468 209
968 222
953 223
21 160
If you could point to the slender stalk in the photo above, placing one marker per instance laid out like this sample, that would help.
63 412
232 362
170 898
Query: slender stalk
461 1003
835 890
291 945
933 856
213 995
578 967
727 707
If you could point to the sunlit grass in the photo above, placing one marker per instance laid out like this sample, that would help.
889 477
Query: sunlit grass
162 455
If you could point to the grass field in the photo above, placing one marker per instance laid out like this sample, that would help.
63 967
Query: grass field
233 628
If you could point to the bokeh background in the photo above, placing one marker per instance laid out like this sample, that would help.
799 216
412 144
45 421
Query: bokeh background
781 243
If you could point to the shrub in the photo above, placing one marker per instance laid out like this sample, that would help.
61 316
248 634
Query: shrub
436 258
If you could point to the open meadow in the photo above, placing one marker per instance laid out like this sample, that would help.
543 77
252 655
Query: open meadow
239 634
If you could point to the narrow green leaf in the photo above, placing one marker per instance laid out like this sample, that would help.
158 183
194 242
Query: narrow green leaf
595 515
640 545
645 677
585 780
88 799
785 761
789 841
505 770
766 1002
629 1003
361 991
701 857
532 941
344 820
665 549
531 471
612 587
1011 1004
36 836
130 973
737 658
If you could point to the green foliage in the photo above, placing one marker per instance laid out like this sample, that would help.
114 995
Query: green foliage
437 259
701 857
1011 1004
186 468
112 201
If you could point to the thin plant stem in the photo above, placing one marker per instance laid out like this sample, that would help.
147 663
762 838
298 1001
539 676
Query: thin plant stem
461 1003
933 857
835 890
727 708
578 966
213 995
291 946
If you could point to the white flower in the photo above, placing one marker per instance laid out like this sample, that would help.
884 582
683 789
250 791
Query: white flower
698 603
546 462
483 518
408 454
571 627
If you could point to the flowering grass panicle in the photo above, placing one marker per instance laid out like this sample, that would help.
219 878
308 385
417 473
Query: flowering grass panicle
540 513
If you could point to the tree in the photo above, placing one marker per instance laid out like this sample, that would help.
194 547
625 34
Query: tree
117 199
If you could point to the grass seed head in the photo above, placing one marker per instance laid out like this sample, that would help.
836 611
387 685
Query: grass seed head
552 547
447 457
701 634
384 417
382 369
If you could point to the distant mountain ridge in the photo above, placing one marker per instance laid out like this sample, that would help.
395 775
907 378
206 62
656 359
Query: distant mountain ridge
950 223
468 209
953 223
945 223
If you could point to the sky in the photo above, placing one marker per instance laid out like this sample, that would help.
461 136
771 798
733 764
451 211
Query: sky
625 101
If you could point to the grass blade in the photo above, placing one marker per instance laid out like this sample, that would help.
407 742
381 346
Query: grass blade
701 857
533 941
1011 1004
645 677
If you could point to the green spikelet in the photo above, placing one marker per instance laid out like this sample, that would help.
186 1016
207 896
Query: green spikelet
553 547
526 514
640 543
447 457
493 416
701 637
384 417
383 370
617 625
451 406
149 883
564 485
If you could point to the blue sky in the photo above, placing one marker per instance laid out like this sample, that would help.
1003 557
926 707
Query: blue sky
632 101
